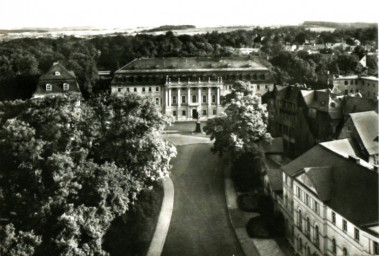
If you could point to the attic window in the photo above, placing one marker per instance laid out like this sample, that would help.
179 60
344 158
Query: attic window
57 73
49 87
66 86
333 105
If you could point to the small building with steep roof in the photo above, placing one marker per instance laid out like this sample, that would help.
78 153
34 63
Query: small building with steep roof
57 80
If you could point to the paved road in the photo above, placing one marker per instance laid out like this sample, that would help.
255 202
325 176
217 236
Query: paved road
200 225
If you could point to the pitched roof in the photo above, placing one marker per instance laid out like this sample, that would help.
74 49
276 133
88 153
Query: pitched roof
358 104
366 124
193 64
64 74
320 180
354 188
344 147
275 179
276 146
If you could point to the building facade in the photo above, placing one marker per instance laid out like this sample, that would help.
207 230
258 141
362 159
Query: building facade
188 88
326 209
56 81
366 86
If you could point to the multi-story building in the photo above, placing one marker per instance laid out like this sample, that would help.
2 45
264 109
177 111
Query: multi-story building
330 199
187 87
287 113
56 81
362 128
367 86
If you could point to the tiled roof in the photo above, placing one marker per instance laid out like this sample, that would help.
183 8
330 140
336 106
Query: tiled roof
357 104
193 64
321 180
57 67
354 189
366 124
344 147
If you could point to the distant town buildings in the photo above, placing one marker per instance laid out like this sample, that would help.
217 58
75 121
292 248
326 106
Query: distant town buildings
366 86
56 81
187 87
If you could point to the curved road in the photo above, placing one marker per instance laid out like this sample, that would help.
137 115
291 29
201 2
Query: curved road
200 224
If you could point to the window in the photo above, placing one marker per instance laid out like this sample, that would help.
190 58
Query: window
119 89
183 113
149 89
344 225
376 247
300 244
356 234
298 192
213 98
194 98
204 112
308 227
157 89
299 220
57 73
334 218
356 81
307 199
334 246
174 113
344 251
143 89
127 89
258 86
214 111
346 83
157 101
183 99
351 81
316 207
49 87
66 86
266 87
204 99
317 236
135 89
173 99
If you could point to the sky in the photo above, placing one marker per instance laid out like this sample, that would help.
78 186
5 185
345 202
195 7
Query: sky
142 13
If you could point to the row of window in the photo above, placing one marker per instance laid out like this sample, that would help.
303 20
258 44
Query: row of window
356 82
310 202
344 226
192 78
49 87
194 99
174 113
135 89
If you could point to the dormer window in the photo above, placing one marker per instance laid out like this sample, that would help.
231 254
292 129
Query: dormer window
57 73
49 87
66 86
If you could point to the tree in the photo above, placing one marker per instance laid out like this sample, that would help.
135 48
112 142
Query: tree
67 171
240 133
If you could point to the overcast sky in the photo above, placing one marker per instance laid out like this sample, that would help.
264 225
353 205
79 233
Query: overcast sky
126 13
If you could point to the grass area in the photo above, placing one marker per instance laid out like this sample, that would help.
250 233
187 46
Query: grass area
131 233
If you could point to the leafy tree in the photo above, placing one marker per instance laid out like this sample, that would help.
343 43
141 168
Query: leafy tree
67 171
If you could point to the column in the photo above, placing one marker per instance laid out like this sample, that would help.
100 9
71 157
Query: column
166 97
169 97
188 95
218 96
179 97
209 96
199 95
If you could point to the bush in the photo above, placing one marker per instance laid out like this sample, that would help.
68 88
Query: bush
248 202
131 233
246 173
257 228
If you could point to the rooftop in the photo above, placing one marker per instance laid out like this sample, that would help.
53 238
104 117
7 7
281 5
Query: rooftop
342 183
275 179
193 64
366 124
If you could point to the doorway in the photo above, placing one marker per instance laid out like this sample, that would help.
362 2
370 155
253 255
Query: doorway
194 114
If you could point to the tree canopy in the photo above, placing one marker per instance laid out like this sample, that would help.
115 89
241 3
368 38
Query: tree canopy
243 126
68 169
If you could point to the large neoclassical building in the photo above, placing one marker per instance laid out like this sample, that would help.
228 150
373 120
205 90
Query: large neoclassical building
186 87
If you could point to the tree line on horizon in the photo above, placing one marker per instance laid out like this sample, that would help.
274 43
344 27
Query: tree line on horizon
22 61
